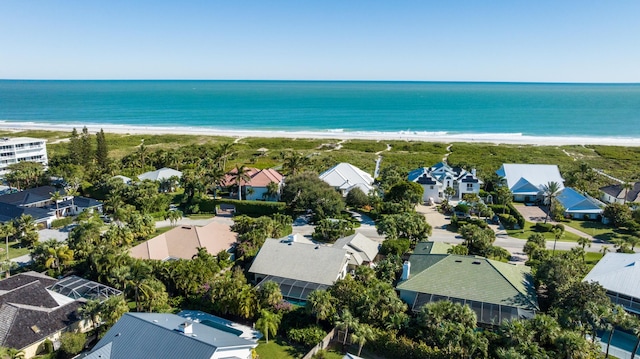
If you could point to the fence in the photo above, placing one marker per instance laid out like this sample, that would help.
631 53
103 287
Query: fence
322 345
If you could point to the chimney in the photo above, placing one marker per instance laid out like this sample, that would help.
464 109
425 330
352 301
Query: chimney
406 270
186 328
473 172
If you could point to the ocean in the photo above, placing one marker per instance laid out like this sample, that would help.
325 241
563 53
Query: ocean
530 109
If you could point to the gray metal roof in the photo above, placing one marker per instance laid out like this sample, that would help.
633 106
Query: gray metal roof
300 261
156 335
618 272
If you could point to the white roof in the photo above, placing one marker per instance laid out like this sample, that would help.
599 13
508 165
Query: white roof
618 272
525 178
160 175
345 176
359 246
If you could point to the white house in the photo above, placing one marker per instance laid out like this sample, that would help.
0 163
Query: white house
619 274
526 181
18 149
437 178
618 194
344 177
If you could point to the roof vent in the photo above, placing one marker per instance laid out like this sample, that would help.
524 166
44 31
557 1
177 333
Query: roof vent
290 243
458 261
316 247
185 328
155 320
476 262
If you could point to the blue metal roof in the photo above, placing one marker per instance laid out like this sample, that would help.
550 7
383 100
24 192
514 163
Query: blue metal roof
575 202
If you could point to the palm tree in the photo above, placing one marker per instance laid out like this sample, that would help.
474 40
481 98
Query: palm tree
56 197
240 176
26 229
295 162
616 317
7 230
550 192
273 190
224 152
584 242
557 234
268 323
270 294
604 250
320 304
174 217
361 335
345 321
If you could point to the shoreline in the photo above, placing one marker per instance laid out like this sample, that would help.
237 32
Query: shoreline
442 137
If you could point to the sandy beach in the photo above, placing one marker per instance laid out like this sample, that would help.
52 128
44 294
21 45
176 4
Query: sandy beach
496 138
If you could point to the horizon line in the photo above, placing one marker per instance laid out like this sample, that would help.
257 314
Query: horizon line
341 80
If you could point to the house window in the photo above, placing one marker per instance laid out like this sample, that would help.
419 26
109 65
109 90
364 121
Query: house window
430 187
469 186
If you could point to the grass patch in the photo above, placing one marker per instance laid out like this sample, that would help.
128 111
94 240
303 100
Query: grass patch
161 230
200 216
598 230
15 250
278 349
530 228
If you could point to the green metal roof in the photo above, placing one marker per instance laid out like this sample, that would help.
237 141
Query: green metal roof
472 278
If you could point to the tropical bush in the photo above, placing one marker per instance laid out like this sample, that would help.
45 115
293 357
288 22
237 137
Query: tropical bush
398 246
308 336
62 222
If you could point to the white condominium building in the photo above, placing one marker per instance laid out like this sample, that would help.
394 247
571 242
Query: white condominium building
18 149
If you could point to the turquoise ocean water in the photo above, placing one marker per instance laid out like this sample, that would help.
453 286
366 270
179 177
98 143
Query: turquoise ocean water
565 110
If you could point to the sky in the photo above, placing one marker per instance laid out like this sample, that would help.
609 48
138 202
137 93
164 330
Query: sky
423 40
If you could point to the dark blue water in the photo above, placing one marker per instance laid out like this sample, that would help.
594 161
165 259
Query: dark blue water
611 110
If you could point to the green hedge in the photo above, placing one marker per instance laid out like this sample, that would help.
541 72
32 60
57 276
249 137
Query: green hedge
508 221
508 209
250 208
544 227
515 213
62 222
387 344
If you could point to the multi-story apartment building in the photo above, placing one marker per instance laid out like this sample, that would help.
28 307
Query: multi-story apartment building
18 149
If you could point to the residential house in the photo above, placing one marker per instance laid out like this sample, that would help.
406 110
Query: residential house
182 242
37 202
526 181
495 291
437 178
362 249
35 307
18 149
167 177
257 187
243 331
579 206
124 179
619 274
344 177
163 335
299 268
619 194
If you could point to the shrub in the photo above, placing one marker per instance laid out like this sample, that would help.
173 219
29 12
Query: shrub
514 212
463 208
559 226
250 208
72 343
395 246
508 221
329 230
62 222
356 198
308 336
544 227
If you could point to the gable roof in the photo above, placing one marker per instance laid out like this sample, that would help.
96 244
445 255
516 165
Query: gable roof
300 261
617 191
183 242
9 212
361 247
157 335
345 176
575 202
618 272
160 175
29 312
257 178
440 172
471 278
526 178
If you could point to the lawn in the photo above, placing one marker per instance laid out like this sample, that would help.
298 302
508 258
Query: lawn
200 216
529 229
15 250
596 229
277 349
